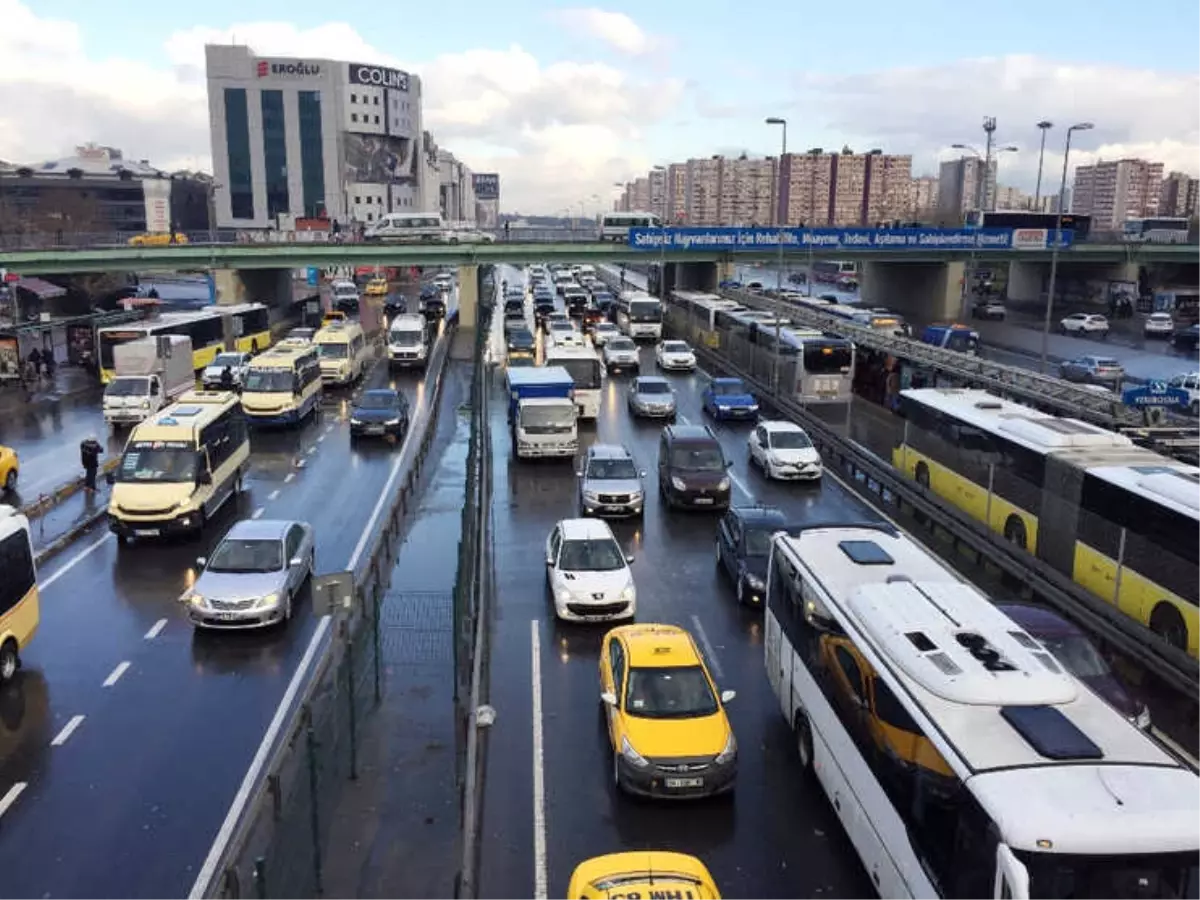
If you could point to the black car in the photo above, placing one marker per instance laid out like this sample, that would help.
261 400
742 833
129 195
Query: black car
542 308
520 339
744 547
382 412
1187 339
433 306
395 305
692 468
514 307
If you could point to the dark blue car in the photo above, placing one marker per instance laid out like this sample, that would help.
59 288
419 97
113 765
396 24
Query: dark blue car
729 398
382 412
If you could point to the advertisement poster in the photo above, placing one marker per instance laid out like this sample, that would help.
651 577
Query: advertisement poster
486 185
882 239
81 343
380 159
10 359
158 205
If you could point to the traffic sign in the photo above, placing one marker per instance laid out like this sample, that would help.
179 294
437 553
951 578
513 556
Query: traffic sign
1155 394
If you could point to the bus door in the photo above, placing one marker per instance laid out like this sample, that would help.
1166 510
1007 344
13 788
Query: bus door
232 328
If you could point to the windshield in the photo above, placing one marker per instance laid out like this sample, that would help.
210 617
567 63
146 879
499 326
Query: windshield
645 311
676 347
757 542
333 351
605 469
599 555
371 400
789 440
697 459
233 360
622 344
1077 653
825 359
547 419
606 327
653 387
670 692
269 381
584 372
247 556
158 461
729 389
132 386
1125 875
405 338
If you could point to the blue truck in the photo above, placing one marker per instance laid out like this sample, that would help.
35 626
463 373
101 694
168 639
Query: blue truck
542 412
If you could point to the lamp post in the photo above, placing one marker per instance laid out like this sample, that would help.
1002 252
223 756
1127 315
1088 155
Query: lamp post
1062 190
1044 126
780 215
780 221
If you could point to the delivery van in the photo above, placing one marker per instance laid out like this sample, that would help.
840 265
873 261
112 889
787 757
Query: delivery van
150 374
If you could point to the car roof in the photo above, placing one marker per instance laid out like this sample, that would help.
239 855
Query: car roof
657 646
260 529
690 433
779 425
380 392
1038 620
609 451
584 529
650 379
761 516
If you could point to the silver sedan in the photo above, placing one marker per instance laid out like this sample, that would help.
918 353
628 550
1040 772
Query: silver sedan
253 576
652 397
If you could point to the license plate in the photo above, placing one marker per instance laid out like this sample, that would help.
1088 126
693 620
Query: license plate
374 429
224 616
146 532
685 782
703 501
613 509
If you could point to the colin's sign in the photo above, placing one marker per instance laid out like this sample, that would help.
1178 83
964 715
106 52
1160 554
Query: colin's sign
378 76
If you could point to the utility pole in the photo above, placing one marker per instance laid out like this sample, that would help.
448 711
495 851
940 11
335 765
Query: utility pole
988 197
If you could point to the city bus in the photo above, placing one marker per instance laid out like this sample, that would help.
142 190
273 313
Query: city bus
615 226
639 315
1156 231
282 386
586 369
19 610
1078 223
959 755
691 316
1120 520
245 327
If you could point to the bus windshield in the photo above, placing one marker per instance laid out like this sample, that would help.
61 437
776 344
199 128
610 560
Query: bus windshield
827 359
269 381
1132 875
645 311
146 462
334 351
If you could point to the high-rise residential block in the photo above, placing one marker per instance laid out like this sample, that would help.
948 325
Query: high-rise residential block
1112 192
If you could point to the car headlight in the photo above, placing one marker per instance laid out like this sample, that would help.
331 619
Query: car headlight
392 422
628 594
755 582
146 403
591 495
632 756
723 485
1142 719
195 599
729 753
753 407
564 596
678 483
722 406
266 602
354 421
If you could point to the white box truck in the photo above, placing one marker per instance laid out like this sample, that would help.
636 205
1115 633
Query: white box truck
150 374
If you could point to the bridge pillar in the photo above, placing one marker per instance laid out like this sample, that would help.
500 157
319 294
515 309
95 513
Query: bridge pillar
468 296
923 292
726 271
230 287
270 286
1027 281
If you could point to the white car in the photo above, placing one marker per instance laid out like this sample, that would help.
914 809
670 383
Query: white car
564 334
1190 382
675 356
784 451
1084 323
237 363
588 573
621 354
1159 324
603 332
473 236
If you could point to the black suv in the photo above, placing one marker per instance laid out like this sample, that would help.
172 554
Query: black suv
692 468
744 546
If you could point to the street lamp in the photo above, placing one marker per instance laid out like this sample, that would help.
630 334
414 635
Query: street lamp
814 154
1044 125
1062 191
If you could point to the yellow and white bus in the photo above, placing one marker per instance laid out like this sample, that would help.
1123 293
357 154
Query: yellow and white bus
343 349
245 327
1121 521
283 385
19 611
180 466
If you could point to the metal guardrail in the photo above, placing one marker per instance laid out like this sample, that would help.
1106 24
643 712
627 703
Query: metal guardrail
272 841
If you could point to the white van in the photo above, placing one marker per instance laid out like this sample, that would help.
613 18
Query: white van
343 349
408 343
344 292
615 226
420 228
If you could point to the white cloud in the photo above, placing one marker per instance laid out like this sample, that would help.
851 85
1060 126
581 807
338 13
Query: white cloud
557 133
613 28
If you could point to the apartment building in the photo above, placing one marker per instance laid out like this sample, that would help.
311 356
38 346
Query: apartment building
1178 197
747 191
962 186
658 191
1112 192
1011 198
923 198
887 189
703 205
640 198
676 199
806 179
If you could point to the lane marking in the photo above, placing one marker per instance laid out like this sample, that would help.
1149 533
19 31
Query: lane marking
328 429
310 451
11 797
319 439
273 494
257 513
75 560
682 418
290 476
115 675
740 484
540 891
155 630
713 662
68 730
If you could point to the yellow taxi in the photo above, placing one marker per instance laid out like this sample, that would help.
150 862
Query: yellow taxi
642 873
331 316
667 726
377 287
156 240
10 467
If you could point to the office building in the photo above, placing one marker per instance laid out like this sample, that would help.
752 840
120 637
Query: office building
962 187
456 189
1178 197
1112 192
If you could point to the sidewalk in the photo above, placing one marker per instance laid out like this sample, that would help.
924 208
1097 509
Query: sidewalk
69 381
395 830
65 522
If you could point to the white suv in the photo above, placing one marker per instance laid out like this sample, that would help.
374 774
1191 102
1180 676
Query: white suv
1084 323
783 450
588 574
1159 324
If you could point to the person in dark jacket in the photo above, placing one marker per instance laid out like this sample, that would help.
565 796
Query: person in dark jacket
227 379
89 456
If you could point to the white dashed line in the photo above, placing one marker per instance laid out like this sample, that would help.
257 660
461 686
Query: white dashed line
273 494
68 730
310 451
290 476
115 675
11 797
75 560
540 889
682 420
741 485
328 429
709 653
319 439
258 513
155 630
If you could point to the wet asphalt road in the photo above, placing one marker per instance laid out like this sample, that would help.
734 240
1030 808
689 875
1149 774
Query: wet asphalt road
128 804
777 836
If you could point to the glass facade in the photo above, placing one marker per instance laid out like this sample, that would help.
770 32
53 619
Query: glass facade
312 154
275 153
237 140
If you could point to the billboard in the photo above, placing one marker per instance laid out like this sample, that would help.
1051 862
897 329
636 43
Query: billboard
157 192
379 159
487 185
286 68
883 239
378 76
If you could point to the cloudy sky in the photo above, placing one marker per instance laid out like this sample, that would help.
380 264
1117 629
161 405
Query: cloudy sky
565 101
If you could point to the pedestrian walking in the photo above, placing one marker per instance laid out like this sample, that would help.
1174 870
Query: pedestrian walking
506 227
89 456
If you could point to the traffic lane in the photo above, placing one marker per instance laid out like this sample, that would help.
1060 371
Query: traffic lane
47 442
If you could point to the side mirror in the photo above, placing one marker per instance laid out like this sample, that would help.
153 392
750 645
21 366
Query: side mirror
629 558
110 478
608 698
642 473
296 562
549 560
579 473
729 463
204 478
201 562
726 696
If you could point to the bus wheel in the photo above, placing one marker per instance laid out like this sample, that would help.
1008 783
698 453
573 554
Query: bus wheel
1014 532
922 475
1168 624
10 481
9 660
804 742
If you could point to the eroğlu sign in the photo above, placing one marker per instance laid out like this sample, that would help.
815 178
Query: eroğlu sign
378 76
287 68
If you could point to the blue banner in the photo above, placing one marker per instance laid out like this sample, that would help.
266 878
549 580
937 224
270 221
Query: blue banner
887 239
1156 393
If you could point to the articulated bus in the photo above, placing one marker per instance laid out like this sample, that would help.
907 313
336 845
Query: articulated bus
1122 521
19 610
586 369
692 316
283 386
639 315
245 327
961 758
